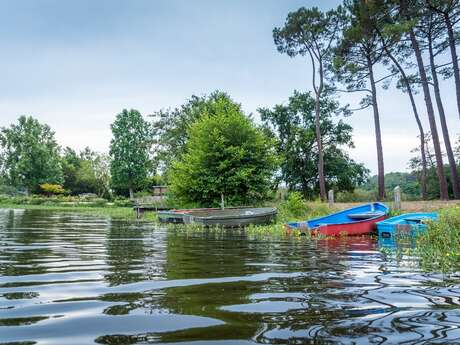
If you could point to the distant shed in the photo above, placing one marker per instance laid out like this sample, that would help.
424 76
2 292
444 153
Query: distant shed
159 190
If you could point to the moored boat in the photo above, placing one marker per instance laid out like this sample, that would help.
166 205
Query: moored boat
353 221
406 224
228 217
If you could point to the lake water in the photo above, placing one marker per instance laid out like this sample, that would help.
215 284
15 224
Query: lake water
76 279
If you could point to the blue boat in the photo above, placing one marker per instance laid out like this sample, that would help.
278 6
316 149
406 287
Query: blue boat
408 224
353 221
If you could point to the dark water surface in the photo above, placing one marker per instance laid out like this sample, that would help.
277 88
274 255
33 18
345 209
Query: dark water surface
75 279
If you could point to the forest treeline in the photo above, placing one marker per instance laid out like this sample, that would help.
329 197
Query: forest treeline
208 147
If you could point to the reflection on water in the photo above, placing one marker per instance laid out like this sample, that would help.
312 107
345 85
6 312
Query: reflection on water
76 279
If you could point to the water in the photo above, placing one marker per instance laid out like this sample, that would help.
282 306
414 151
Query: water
76 279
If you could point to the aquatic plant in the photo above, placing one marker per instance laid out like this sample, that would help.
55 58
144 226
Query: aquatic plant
439 247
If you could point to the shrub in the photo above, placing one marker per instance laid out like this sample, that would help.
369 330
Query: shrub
51 189
123 202
294 205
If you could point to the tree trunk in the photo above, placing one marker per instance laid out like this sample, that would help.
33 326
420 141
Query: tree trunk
423 177
322 181
378 136
131 193
319 141
442 117
444 195
453 53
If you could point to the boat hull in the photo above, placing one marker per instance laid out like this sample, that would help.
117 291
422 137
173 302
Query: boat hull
230 217
358 220
408 224
351 229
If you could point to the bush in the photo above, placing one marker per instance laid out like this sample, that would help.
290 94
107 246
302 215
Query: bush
52 189
295 205
10 190
358 195
123 202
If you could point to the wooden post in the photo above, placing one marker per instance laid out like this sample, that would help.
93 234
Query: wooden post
397 198
222 205
330 198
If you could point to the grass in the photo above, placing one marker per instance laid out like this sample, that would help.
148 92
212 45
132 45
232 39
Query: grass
439 247
125 213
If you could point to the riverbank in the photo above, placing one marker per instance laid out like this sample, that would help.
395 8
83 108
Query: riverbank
438 248
115 212
290 210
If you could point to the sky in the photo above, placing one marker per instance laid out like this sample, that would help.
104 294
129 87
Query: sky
75 64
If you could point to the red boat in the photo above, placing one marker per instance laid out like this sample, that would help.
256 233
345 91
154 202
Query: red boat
353 221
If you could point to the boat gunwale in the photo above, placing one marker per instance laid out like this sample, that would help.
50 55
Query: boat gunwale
342 212
428 215
270 211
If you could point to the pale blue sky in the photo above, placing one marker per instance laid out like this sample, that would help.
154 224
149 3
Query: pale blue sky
76 64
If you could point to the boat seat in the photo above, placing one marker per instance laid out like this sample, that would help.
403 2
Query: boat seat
365 215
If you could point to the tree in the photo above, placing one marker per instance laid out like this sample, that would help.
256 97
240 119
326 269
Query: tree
129 151
30 154
431 31
409 12
293 125
101 168
170 127
225 154
396 51
354 62
449 11
432 179
86 172
313 33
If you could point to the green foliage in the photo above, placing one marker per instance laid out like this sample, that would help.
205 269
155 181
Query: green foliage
171 127
123 202
294 206
415 165
409 183
29 155
439 247
129 150
225 153
58 199
293 125
307 30
358 195
87 172
51 189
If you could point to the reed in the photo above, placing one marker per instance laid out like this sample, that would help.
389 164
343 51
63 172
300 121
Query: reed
439 247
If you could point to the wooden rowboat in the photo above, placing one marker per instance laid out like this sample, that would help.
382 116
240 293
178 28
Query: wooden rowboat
228 217
353 221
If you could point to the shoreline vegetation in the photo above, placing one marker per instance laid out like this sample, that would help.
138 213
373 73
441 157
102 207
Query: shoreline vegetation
438 249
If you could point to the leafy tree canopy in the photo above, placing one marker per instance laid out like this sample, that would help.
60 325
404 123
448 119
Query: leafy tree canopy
30 154
130 151
225 153
86 172
294 127
171 127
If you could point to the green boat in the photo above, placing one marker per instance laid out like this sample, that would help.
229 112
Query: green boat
228 217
